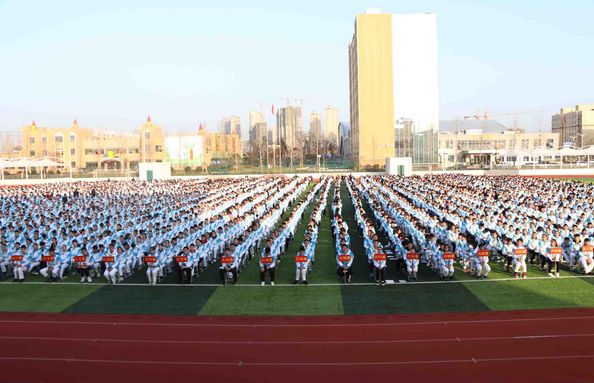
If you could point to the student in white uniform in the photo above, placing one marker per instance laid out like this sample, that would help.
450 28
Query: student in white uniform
412 265
379 263
586 257
519 259
301 267
267 265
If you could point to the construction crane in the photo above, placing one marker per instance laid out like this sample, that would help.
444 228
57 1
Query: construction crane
486 115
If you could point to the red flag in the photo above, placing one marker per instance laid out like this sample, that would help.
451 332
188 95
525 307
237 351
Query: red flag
273 109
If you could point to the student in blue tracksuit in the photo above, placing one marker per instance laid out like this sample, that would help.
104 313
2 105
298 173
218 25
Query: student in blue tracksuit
345 269
268 267
228 267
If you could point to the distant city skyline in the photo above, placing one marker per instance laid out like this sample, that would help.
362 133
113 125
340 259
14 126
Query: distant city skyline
112 63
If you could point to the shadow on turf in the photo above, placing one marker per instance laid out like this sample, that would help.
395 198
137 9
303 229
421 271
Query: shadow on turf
122 299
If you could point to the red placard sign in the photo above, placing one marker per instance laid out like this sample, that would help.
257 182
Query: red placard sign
48 258
587 249
227 259
344 258
108 259
149 259
80 259
300 258
412 255
266 260
379 257
555 251
483 253
181 259
16 258
449 255
522 251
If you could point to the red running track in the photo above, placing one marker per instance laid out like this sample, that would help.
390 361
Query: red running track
505 346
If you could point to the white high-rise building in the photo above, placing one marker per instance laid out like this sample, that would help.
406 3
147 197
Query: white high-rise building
331 124
416 95
394 88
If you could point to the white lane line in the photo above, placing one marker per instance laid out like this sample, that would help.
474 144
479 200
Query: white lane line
305 325
517 280
256 342
297 364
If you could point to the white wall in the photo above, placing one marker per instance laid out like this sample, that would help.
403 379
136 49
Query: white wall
392 164
161 170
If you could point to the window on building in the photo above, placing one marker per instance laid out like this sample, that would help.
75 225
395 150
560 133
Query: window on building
72 138
158 149
44 140
133 150
147 135
32 140
90 151
72 151
525 143
44 153
32 153
92 165
59 152
550 143
73 164
58 138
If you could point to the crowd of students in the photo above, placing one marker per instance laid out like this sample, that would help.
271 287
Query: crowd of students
113 229
513 220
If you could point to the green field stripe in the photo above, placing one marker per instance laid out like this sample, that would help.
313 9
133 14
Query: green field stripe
324 270
360 264
269 300
42 297
535 293
122 299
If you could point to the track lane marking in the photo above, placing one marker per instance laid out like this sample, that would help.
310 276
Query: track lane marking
255 342
298 364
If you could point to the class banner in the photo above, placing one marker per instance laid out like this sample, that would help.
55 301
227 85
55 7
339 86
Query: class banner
227 259
412 255
80 259
266 260
380 257
483 253
108 259
344 258
149 259
300 259
449 255
181 259
48 258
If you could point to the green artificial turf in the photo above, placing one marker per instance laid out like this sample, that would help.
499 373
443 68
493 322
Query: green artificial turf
42 298
322 297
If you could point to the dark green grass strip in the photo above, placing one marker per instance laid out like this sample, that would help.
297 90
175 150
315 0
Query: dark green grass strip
360 265
324 270
121 299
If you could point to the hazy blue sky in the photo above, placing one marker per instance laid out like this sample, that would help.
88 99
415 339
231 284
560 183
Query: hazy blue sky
112 62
